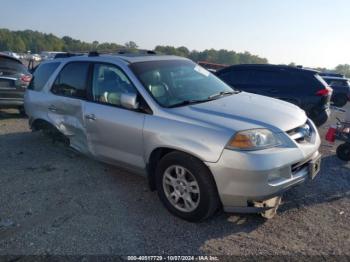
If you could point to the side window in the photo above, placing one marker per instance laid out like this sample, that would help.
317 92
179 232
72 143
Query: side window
271 78
72 80
41 75
236 77
109 83
340 83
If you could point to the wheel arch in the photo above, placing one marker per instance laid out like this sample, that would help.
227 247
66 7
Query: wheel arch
40 124
155 156
49 129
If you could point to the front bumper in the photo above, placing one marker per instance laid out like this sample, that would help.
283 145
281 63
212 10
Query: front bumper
245 177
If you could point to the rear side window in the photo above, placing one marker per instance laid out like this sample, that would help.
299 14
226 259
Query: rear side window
265 78
11 67
42 75
258 78
337 82
321 82
235 77
72 80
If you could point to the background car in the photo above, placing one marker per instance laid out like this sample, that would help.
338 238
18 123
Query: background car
302 87
36 57
340 86
49 55
14 78
13 54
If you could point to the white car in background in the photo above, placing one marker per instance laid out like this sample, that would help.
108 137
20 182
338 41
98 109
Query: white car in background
35 57
49 55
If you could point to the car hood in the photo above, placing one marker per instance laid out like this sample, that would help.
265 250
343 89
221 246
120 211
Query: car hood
244 111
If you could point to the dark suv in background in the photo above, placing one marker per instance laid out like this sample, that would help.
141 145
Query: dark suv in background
302 87
14 79
340 86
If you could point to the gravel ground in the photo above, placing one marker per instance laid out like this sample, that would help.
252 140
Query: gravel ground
54 201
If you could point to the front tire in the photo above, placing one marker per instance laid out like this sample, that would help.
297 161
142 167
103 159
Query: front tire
186 187
343 151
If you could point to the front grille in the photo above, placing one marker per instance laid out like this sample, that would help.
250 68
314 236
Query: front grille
299 166
301 134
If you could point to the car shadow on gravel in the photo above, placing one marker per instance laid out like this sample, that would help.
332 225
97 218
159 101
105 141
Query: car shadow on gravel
332 184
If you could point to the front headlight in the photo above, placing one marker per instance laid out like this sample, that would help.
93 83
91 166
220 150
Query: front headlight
253 139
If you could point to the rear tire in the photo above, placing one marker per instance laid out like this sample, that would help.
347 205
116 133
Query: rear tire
319 121
343 151
186 187
22 111
340 100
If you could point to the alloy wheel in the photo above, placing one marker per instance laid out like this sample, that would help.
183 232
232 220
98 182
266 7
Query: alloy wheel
181 188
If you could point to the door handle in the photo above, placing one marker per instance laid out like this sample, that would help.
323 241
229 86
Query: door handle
90 117
52 108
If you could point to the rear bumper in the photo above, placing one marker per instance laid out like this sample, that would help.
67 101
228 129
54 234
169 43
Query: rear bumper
11 103
10 98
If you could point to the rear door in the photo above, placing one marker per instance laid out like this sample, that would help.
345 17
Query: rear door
265 82
238 79
277 83
114 132
287 86
257 81
66 101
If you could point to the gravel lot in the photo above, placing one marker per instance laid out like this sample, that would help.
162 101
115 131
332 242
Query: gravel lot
54 201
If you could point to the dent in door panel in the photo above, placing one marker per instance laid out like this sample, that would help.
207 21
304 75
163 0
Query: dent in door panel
68 118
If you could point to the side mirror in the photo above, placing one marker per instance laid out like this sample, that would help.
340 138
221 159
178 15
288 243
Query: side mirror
129 100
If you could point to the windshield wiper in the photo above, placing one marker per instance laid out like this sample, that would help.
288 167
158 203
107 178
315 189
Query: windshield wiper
212 97
189 102
223 93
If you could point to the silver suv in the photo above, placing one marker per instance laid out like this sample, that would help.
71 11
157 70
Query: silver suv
201 144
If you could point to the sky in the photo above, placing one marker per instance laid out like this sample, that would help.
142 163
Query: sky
312 33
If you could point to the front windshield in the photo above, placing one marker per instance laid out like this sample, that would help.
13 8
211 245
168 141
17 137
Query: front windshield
179 82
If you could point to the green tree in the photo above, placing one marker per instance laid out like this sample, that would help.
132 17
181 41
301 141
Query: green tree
131 45
343 69
34 41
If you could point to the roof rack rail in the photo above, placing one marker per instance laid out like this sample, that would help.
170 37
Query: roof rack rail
66 55
151 52
136 52
98 53
332 74
93 53
122 52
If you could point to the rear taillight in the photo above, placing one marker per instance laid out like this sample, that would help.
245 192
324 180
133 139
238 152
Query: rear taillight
26 78
324 92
